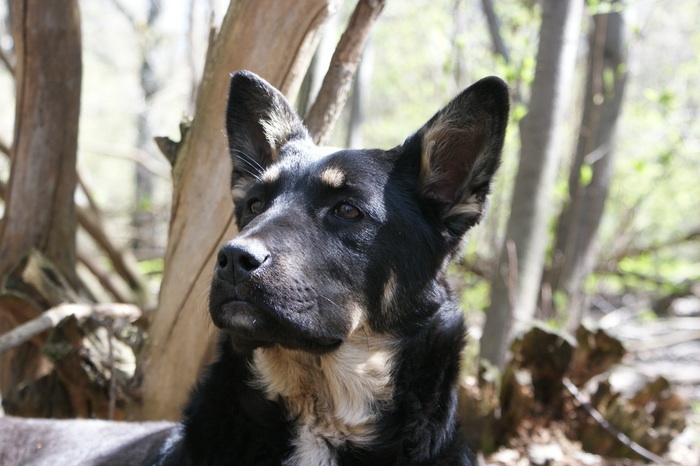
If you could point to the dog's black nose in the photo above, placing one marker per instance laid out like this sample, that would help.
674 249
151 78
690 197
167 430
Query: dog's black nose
238 260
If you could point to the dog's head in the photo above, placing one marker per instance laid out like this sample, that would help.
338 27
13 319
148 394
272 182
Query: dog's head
331 241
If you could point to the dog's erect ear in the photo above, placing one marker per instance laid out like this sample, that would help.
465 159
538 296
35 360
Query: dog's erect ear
259 121
460 150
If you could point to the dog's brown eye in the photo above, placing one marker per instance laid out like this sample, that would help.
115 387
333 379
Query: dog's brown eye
347 211
255 206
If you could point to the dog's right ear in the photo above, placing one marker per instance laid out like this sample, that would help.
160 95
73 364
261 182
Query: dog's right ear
259 121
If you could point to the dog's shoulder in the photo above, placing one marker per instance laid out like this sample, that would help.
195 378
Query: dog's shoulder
228 421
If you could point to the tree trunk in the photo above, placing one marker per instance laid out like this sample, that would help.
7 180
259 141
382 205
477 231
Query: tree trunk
39 217
330 101
574 252
39 209
499 47
318 66
276 41
142 217
360 97
516 281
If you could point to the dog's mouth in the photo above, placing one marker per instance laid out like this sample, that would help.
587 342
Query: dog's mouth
251 326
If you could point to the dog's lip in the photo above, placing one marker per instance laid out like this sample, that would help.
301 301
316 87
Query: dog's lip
246 321
238 314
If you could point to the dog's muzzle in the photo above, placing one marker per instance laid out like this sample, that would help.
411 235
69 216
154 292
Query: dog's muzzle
237 261
246 302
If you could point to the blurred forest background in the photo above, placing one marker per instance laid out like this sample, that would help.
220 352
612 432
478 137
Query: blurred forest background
589 257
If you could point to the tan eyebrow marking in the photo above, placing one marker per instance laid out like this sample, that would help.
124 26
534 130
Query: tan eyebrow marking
271 175
333 177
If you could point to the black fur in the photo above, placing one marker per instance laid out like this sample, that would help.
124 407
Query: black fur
340 253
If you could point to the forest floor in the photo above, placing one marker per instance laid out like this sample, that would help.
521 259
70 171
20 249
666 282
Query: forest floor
658 345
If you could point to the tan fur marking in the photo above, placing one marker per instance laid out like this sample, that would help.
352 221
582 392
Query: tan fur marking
434 141
445 138
239 190
470 207
334 397
389 292
333 177
271 175
277 128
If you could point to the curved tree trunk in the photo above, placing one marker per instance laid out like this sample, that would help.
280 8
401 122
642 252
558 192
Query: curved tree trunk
39 219
574 251
39 208
516 282
276 41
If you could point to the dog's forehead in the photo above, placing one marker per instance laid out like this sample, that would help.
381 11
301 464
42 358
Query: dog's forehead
331 166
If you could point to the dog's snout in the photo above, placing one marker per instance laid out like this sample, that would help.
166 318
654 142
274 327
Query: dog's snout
237 261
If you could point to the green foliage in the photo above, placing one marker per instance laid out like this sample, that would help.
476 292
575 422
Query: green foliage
601 7
647 315
585 174
518 112
152 266
145 204
475 294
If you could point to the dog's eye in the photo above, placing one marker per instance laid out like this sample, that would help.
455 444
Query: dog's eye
346 211
255 206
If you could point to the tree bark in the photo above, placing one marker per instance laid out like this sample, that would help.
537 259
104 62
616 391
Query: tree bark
516 282
39 209
330 101
39 214
277 42
499 47
360 97
589 179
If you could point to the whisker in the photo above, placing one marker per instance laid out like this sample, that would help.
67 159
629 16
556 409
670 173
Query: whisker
250 160
249 172
330 301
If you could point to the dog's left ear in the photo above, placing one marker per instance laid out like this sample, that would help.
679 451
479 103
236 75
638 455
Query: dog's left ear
460 150
259 121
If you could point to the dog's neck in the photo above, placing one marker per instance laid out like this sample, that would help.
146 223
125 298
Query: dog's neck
331 398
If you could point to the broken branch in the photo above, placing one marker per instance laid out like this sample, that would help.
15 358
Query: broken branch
598 417
52 317
336 84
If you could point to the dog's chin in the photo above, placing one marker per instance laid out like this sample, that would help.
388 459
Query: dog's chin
251 328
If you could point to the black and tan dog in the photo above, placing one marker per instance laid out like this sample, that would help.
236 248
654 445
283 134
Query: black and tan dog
340 342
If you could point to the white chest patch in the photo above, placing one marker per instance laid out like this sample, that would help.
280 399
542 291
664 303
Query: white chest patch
333 398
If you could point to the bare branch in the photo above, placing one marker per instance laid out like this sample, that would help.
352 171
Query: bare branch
123 262
105 279
92 224
170 148
126 13
598 417
499 47
4 147
8 61
52 317
138 156
334 91
634 251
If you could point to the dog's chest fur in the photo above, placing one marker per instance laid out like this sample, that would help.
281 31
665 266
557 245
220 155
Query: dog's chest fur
331 399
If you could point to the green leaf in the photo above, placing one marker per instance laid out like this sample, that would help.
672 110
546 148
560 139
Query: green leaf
585 175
